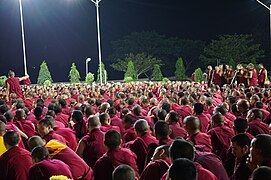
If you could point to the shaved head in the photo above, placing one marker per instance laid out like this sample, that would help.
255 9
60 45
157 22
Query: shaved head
93 121
35 141
2 127
191 123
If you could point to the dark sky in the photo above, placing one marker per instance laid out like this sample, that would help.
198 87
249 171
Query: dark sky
64 31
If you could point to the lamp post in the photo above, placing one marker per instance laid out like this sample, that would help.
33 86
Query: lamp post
22 30
96 2
87 61
269 8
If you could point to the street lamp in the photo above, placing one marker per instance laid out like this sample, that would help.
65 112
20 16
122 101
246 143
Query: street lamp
87 61
269 8
96 2
22 30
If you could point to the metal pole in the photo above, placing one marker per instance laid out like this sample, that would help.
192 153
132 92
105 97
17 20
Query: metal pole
87 61
105 77
22 29
270 24
96 2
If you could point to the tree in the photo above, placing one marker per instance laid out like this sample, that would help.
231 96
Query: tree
104 74
156 73
234 49
44 73
3 80
89 78
180 70
74 74
142 63
130 72
198 75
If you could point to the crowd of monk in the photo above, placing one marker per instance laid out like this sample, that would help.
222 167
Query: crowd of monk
142 130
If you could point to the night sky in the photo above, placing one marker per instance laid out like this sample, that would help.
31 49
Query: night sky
64 31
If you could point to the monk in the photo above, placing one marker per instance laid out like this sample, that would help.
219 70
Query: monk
114 157
198 109
13 85
241 126
159 164
202 141
45 129
79 126
185 109
172 119
243 107
124 172
255 124
44 168
183 149
260 152
24 125
184 169
129 133
105 123
79 169
221 136
240 149
262 75
2 132
91 146
60 117
15 162
114 119
140 145
261 173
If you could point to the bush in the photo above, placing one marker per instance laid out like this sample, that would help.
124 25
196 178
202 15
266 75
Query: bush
180 70
165 79
198 75
44 73
128 79
47 83
89 78
3 80
130 72
157 74
74 74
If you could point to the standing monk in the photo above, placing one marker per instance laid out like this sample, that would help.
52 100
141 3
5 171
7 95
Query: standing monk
262 75
13 85
252 76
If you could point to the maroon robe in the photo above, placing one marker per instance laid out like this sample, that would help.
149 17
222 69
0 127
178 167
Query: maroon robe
26 126
15 163
47 168
116 121
107 127
204 174
254 80
140 147
12 127
261 77
155 170
80 129
29 103
110 160
204 122
78 167
129 135
62 118
177 131
184 112
256 127
94 146
221 139
69 136
202 141
52 135
241 171
213 163
14 86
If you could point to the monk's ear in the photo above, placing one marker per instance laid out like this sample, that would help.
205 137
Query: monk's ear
136 178
162 152
246 149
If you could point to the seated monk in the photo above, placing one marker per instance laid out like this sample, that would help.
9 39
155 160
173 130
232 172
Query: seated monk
79 125
184 169
79 169
243 107
183 149
129 133
240 149
159 164
198 109
202 141
91 146
60 117
105 123
255 124
140 145
15 162
114 119
260 152
177 131
24 125
2 132
44 168
221 136
123 172
114 157
261 173
45 129
241 126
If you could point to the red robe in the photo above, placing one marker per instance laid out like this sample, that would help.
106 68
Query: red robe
155 170
184 112
106 128
140 147
241 171
77 165
129 135
221 139
69 136
256 127
15 163
116 121
14 86
177 131
47 168
204 122
12 127
52 135
62 118
110 160
26 126
204 174
80 129
94 146
202 141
